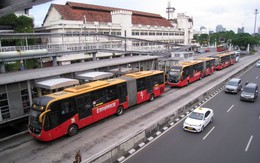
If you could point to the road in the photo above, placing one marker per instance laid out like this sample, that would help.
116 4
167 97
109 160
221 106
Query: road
234 135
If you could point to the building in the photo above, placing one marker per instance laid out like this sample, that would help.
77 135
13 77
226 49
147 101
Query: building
220 28
78 18
241 30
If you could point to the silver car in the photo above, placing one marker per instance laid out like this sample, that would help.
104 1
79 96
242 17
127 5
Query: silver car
234 85
257 64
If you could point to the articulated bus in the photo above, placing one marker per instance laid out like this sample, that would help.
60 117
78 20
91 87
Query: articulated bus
184 73
208 65
64 112
224 59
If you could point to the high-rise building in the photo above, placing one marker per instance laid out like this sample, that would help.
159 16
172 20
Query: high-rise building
241 30
220 28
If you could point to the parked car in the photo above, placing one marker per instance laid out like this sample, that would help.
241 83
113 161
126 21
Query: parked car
257 64
234 85
198 119
250 92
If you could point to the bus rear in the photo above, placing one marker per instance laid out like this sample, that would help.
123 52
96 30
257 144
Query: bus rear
208 65
149 84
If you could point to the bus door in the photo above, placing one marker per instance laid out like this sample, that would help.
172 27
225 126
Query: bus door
122 93
149 84
84 106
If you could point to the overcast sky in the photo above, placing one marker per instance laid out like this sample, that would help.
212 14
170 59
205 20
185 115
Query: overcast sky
232 14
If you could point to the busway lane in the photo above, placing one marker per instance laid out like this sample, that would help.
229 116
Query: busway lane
233 132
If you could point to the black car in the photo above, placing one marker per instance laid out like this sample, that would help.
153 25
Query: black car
250 92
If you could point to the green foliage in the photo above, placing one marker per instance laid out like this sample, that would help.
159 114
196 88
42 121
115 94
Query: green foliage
21 24
243 39
8 20
229 37
12 66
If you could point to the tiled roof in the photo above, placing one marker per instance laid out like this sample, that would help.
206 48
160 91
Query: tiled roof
76 11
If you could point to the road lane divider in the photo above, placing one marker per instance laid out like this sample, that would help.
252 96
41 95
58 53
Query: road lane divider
208 133
230 108
249 142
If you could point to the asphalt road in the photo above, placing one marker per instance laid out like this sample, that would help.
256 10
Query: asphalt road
233 136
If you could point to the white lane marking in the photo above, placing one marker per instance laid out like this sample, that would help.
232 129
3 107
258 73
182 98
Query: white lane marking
256 77
259 117
230 108
208 133
248 144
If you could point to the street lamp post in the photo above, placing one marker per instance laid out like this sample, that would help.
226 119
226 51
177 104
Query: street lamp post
256 12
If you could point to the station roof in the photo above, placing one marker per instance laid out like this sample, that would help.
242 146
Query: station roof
96 75
123 70
56 83
13 77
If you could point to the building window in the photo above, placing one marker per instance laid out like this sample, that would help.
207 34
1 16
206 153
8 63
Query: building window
151 33
25 100
4 107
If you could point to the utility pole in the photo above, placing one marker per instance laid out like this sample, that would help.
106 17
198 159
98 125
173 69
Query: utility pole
256 12
170 10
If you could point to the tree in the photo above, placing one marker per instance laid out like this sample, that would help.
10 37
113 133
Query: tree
21 24
243 39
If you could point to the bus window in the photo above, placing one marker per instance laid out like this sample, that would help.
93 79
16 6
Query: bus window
98 97
149 84
140 84
84 106
158 79
122 93
111 93
51 120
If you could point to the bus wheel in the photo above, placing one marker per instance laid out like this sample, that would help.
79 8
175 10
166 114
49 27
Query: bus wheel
151 97
119 110
72 130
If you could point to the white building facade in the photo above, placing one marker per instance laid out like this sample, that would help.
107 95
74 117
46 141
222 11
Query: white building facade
77 18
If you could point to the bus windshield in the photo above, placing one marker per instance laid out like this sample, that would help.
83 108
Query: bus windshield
34 118
175 71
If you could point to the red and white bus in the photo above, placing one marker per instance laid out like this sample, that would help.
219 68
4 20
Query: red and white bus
184 73
209 65
224 59
222 48
64 112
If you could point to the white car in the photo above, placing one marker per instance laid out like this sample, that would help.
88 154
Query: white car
198 119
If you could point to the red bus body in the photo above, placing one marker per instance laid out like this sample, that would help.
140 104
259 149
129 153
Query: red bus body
54 115
208 65
185 73
225 60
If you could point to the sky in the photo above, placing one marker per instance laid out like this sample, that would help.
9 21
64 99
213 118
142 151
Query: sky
231 14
